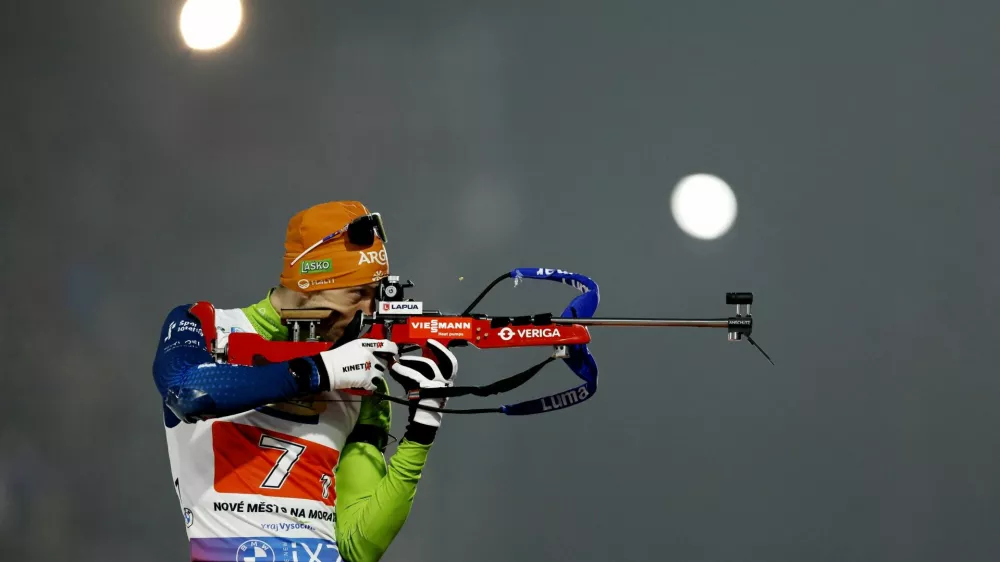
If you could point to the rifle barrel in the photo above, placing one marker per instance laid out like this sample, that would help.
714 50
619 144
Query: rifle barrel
646 322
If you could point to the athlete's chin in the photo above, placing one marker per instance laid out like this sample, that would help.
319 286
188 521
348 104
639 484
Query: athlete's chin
331 335
330 338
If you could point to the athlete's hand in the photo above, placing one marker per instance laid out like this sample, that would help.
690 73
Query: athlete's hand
359 364
436 369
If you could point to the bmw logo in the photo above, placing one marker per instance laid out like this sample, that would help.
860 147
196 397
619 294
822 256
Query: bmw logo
255 551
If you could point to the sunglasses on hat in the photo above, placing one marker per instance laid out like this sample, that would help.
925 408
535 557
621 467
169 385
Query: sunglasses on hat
360 232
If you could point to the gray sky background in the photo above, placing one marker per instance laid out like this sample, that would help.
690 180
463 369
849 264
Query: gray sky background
860 138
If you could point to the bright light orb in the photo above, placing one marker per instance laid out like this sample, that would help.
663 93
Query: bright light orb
704 206
210 24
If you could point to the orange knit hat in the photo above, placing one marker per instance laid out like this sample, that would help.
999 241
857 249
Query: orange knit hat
312 264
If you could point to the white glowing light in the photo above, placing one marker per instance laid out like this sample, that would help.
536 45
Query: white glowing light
704 206
210 24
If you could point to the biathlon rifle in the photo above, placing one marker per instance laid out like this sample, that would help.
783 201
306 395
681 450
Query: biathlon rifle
410 325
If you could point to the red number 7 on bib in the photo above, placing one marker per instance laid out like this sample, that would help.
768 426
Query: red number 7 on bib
249 460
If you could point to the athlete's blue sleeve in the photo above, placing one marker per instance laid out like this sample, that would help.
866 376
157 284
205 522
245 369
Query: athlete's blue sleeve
194 386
